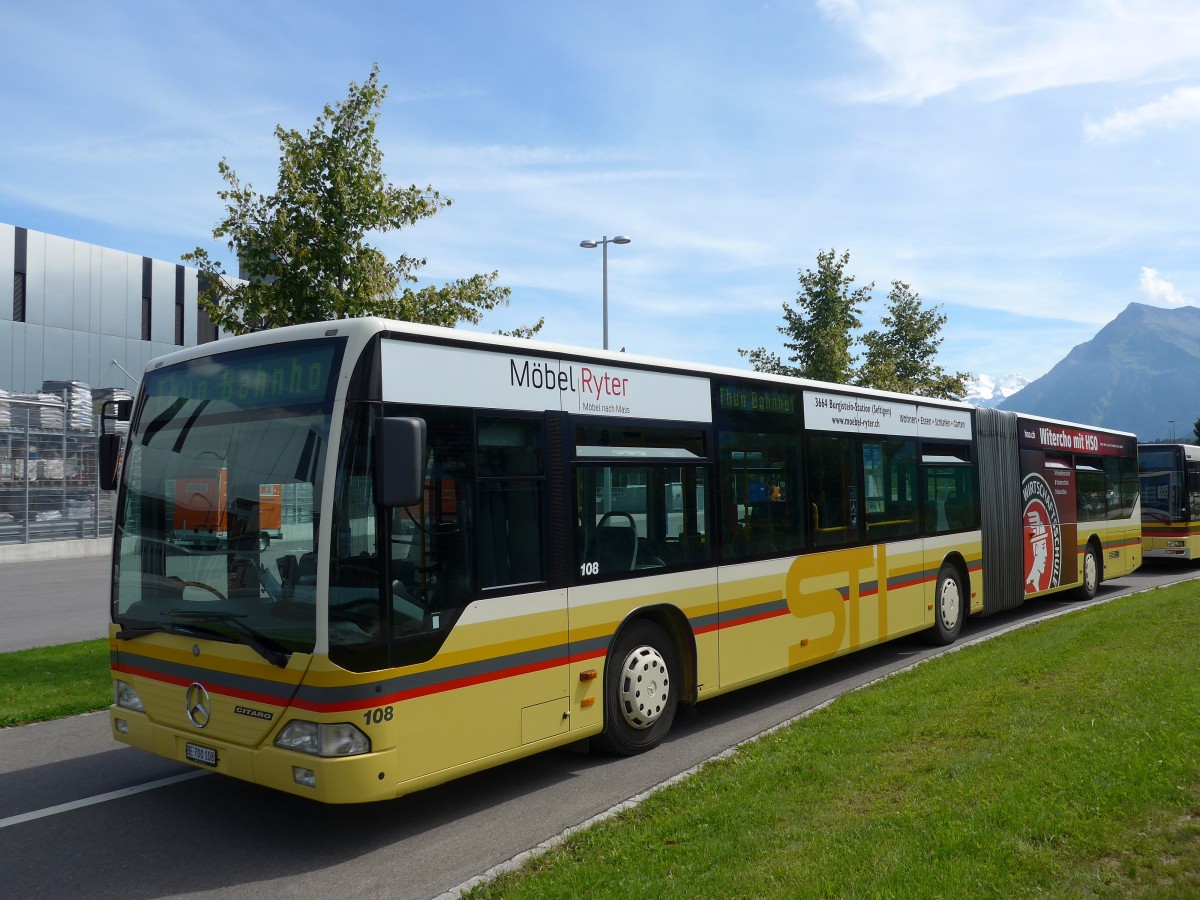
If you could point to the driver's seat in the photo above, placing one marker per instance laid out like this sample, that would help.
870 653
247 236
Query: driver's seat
616 548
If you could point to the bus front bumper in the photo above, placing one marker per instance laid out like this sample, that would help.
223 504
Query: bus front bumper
362 778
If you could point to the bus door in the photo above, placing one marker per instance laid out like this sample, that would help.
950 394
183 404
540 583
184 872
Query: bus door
474 624
643 540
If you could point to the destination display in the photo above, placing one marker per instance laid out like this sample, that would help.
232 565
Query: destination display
757 399
294 374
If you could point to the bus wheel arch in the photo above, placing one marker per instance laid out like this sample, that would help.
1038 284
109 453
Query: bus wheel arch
647 674
1093 569
951 600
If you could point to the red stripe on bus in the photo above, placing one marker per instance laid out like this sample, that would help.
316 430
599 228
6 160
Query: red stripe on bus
429 689
265 699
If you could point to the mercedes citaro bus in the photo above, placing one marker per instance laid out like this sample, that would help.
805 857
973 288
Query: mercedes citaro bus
490 546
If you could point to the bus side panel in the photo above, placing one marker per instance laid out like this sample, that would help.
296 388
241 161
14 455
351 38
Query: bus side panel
499 681
598 611
1121 552
969 548
781 615
1122 543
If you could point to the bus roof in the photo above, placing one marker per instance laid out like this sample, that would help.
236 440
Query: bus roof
361 330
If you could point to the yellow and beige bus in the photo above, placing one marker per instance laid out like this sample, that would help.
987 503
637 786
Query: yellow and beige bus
494 546
1170 500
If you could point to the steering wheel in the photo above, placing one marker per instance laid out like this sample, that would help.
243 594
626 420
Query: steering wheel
363 612
201 584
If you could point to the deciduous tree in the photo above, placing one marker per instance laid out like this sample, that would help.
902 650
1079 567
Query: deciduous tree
902 355
304 250
819 325
821 330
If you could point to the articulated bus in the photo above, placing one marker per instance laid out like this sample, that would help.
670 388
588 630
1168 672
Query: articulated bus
1170 500
513 546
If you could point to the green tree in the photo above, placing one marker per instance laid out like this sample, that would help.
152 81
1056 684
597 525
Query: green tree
901 356
822 330
1196 430
304 249
819 325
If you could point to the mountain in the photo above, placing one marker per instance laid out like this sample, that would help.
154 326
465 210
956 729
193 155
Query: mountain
984 390
1140 373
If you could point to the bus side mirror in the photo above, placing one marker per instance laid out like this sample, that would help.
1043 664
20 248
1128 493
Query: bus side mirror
110 442
115 411
399 461
110 461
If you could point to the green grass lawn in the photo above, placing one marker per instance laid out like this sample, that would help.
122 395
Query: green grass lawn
52 682
1060 760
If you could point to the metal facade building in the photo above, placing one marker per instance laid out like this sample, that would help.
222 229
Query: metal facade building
71 311
78 323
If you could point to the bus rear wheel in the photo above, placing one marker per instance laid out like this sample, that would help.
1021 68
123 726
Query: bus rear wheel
1091 573
948 607
641 689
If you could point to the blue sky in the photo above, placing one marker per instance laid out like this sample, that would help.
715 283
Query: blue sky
1031 167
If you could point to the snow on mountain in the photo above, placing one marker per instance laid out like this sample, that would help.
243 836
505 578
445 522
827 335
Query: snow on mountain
986 390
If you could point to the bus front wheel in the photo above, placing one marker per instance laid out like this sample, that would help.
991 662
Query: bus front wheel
948 607
641 689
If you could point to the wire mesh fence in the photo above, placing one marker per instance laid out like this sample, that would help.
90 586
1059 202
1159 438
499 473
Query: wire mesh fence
49 482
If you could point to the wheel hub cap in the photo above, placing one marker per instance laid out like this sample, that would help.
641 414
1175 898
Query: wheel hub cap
645 687
950 604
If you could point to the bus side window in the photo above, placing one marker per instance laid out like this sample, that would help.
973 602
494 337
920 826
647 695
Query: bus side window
511 501
949 499
889 482
833 489
762 508
1193 489
639 519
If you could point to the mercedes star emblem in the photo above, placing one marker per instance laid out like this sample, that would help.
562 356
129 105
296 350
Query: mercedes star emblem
198 706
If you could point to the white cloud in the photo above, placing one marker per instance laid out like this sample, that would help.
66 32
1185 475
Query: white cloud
1001 49
1161 291
1180 107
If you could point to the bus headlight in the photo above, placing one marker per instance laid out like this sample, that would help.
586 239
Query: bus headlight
341 739
126 697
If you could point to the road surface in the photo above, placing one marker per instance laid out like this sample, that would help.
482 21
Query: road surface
54 602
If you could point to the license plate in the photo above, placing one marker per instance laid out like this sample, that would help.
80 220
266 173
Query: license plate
206 756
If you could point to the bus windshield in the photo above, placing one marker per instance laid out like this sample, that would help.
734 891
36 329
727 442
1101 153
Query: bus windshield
221 493
1162 493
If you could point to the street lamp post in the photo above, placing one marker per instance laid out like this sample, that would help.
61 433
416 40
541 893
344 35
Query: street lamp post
603 243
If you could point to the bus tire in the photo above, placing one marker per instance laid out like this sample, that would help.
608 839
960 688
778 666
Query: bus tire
948 607
1093 572
641 689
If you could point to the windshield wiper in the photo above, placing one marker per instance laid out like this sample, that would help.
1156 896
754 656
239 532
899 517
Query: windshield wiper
129 633
268 649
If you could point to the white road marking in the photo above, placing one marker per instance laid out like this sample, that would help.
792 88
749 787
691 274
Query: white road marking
100 798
